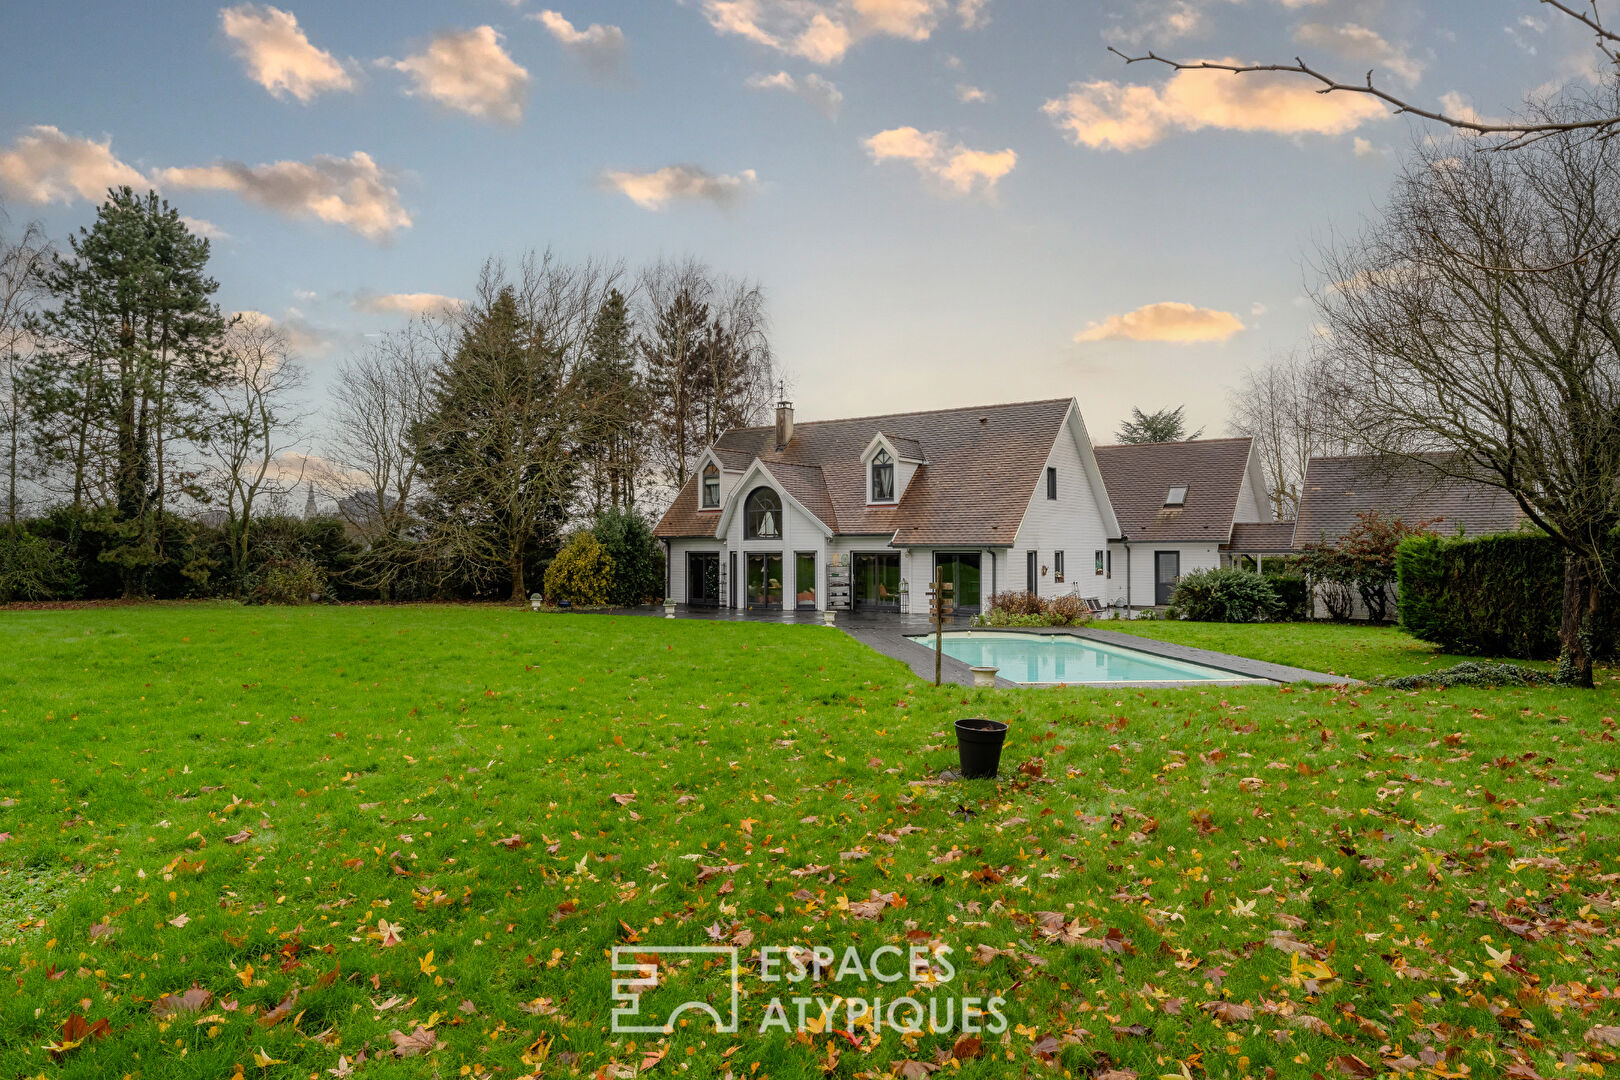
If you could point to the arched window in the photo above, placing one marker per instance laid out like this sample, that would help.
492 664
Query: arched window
762 518
711 487
882 477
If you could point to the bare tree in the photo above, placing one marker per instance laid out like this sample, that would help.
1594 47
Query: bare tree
256 423
1600 117
378 399
707 361
1437 340
22 258
1280 405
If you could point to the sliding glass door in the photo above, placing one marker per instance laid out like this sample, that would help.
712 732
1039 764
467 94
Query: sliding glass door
764 581
804 580
877 581
703 578
960 570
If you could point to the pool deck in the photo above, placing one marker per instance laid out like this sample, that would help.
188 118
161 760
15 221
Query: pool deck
890 634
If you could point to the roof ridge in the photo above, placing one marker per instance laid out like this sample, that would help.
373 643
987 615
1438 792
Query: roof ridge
916 412
1176 442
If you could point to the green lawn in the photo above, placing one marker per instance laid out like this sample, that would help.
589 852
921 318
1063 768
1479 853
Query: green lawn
342 823
1357 650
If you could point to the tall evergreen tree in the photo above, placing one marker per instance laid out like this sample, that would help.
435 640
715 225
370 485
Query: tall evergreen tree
495 447
674 357
133 343
610 393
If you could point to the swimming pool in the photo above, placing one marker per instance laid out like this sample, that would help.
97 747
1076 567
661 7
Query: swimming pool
1062 658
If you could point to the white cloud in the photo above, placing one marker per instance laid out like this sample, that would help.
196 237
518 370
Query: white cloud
45 165
969 95
600 47
302 338
352 192
204 228
655 190
1458 106
1364 149
415 303
972 14
470 72
1168 321
1117 116
1257 309
955 167
1362 45
821 93
822 31
277 54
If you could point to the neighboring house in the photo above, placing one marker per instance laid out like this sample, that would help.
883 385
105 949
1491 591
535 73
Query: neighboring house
1337 489
1181 507
862 513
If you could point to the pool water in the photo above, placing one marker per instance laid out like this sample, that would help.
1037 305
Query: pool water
1060 658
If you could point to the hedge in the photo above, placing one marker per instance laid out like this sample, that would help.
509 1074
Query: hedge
1490 595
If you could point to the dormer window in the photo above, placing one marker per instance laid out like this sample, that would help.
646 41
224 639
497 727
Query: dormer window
762 518
882 477
1176 496
711 487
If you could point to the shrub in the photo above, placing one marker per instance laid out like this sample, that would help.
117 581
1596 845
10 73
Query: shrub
1361 563
292 581
1493 595
582 572
1229 595
31 567
638 561
1292 594
1028 609
1469 673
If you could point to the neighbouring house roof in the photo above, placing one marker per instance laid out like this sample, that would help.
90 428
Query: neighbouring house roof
1139 476
983 464
1336 489
1262 537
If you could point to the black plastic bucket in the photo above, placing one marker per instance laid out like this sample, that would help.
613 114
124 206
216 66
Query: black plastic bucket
978 746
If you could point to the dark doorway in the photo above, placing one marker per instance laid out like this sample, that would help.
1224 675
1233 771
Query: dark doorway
960 570
804 581
877 581
703 578
1032 563
764 581
1166 572
731 579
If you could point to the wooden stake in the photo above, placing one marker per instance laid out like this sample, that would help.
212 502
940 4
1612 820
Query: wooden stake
939 625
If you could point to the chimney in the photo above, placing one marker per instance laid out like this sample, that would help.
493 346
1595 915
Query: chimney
784 424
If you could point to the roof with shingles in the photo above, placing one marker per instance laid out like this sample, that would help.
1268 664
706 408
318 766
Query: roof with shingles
1139 476
983 465
1336 489
1262 537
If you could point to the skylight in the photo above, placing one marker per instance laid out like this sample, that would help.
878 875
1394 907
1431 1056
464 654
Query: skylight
1177 495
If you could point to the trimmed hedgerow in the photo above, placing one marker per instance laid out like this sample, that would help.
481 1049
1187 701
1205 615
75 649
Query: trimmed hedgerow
1489 595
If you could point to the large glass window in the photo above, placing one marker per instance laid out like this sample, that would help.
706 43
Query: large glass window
883 477
711 487
762 519
961 573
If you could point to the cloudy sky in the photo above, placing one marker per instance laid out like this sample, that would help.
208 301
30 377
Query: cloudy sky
949 201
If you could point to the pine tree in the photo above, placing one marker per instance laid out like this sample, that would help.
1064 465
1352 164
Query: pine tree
1166 425
610 393
134 343
495 447
674 358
